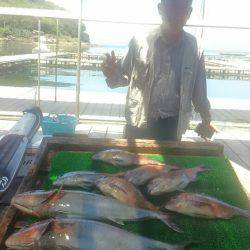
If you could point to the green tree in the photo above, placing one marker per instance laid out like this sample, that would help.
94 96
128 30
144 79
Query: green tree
19 26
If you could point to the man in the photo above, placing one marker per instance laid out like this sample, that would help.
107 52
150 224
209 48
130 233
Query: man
165 75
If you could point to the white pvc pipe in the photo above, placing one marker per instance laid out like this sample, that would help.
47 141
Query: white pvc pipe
39 62
78 73
57 47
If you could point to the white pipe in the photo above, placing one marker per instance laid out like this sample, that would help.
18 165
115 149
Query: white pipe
39 62
57 45
78 73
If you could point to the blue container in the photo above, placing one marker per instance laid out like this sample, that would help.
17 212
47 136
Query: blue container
59 124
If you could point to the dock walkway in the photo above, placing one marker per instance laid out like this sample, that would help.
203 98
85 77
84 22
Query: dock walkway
13 60
110 111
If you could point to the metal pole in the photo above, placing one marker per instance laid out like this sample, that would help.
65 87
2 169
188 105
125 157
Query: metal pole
203 16
57 47
39 61
78 74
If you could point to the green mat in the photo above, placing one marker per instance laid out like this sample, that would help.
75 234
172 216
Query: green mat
220 182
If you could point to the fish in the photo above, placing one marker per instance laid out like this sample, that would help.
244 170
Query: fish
109 185
81 179
197 205
141 175
72 234
122 158
174 180
123 191
85 205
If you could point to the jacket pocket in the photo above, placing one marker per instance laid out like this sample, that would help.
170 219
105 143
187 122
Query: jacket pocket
140 74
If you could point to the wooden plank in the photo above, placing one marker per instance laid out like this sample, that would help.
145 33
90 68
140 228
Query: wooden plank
240 152
89 109
122 111
106 109
229 115
230 153
111 109
83 128
11 105
98 131
139 146
219 115
115 131
247 144
66 108
115 110
243 176
83 107
47 107
245 116
90 130
236 116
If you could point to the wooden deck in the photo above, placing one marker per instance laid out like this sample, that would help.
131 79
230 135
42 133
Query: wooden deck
108 111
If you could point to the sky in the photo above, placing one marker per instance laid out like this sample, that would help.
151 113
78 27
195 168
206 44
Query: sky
218 12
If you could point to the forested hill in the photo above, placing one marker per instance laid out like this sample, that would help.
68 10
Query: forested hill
41 4
24 27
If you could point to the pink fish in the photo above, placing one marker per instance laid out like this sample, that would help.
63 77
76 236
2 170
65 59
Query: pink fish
197 205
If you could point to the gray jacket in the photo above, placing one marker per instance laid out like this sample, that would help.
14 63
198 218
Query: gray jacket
136 70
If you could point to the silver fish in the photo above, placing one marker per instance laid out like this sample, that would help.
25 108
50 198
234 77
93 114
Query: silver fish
197 205
85 205
123 158
174 180
75 234
82 179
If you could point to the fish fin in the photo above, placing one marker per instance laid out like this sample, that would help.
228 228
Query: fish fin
245 213
44 226
54 195
60 189
165 218
180 190
117 221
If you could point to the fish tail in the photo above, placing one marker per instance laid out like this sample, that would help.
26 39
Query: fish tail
151 206
165 218
245 213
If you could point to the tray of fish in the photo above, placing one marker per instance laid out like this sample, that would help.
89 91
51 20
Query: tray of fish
97 196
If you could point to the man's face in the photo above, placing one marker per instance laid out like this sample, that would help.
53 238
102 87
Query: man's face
175 13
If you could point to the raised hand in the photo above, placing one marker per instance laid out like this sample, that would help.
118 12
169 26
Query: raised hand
109 65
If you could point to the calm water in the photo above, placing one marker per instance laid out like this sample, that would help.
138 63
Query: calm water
94 81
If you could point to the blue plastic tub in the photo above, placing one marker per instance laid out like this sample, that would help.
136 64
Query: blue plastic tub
59 124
